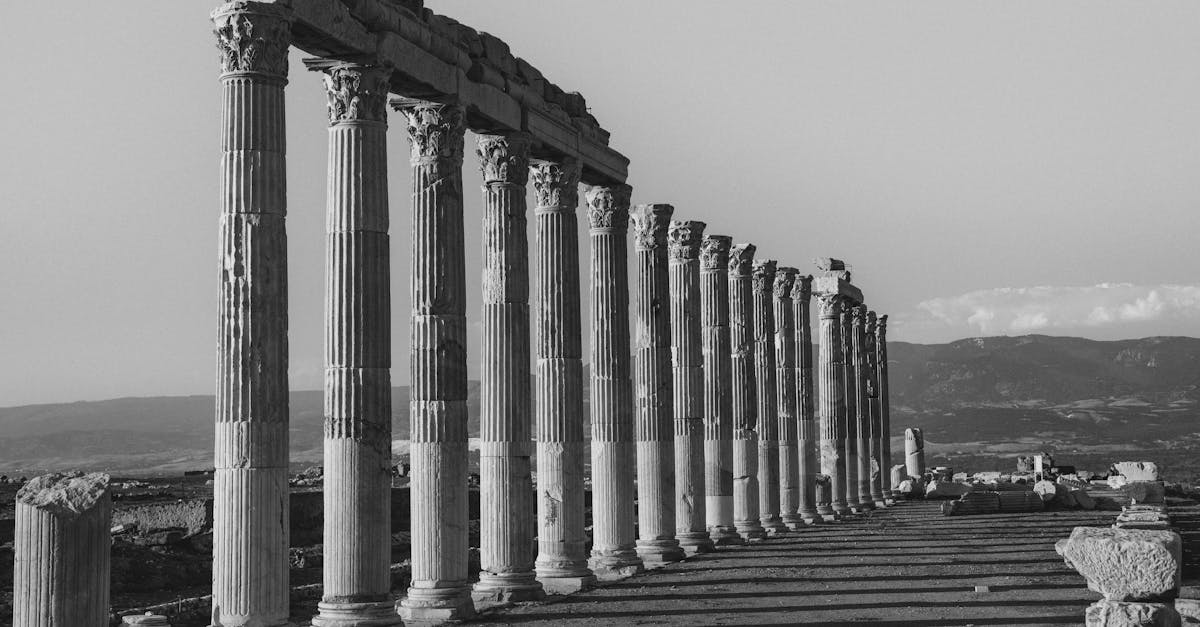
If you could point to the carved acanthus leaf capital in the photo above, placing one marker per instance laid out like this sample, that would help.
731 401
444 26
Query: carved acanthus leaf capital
683 239
802 290
785 279
858 315
608 206
764 275
504 158
354 93
253 37
650 223
741 259
881 330
435 130
556 183
714 252
829 306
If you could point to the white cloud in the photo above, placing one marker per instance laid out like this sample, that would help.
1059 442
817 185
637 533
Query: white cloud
1019 310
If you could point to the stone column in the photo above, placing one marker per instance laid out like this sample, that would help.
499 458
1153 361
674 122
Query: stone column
914 452
440 589
765 394
652 389
506 503
61 551
718 398
250 483
562 562
862 407
785 399
850 408
614 533
879 472
743 386
358 357
687 371
885 417
808 445
832 397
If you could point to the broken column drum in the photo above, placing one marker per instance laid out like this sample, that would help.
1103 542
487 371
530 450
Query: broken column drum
562 558
862 407
440 588
358 386
879 472
785 398
831 396
850 408
763 283
885 414
62 551
745 406
718 398
613 461
808 444
250 484
653 388
683 249
506 503
914 452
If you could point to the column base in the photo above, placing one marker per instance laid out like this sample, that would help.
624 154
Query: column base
773 525
840 509
751 531
436 606
826 511
695 542
658 553
881 504
567 584
794 522
505 588
811 517
724 535
379 614
866 506
616 564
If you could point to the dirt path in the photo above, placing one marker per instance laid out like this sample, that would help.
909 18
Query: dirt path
907 565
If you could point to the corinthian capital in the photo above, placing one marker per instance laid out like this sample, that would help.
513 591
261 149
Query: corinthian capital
785 278
650 224
253 38
608 206
355 93
802 290
714 252
741 258
764 275
881 332
858 315
872 323
683 239
829 306
556 182
435 130
504 158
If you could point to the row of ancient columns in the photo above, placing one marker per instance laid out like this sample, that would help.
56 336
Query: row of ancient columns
702 412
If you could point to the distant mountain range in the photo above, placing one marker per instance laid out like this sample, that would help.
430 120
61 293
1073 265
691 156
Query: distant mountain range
979 400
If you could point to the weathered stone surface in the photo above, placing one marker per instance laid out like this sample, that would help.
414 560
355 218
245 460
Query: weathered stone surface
946 489
1125 565
914 452
1049 491
1140 492
1105 613
1189 611
899 473
1137 471
146 620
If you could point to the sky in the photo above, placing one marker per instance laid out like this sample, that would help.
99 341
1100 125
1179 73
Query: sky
992 168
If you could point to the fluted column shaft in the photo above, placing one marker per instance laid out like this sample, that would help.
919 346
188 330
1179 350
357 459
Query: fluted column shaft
808 441
62 551
687 359
831 395
562 559
862 407
613 530
763 283
653 388
914 452
885 418
358 387
718 397
785 398
879 473
744 388
506 503
250 487
849 408
438 392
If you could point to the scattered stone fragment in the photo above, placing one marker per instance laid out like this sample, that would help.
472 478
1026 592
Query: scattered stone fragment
1123 564
1105 613
1137 471
946 490
1140 492
1048 490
